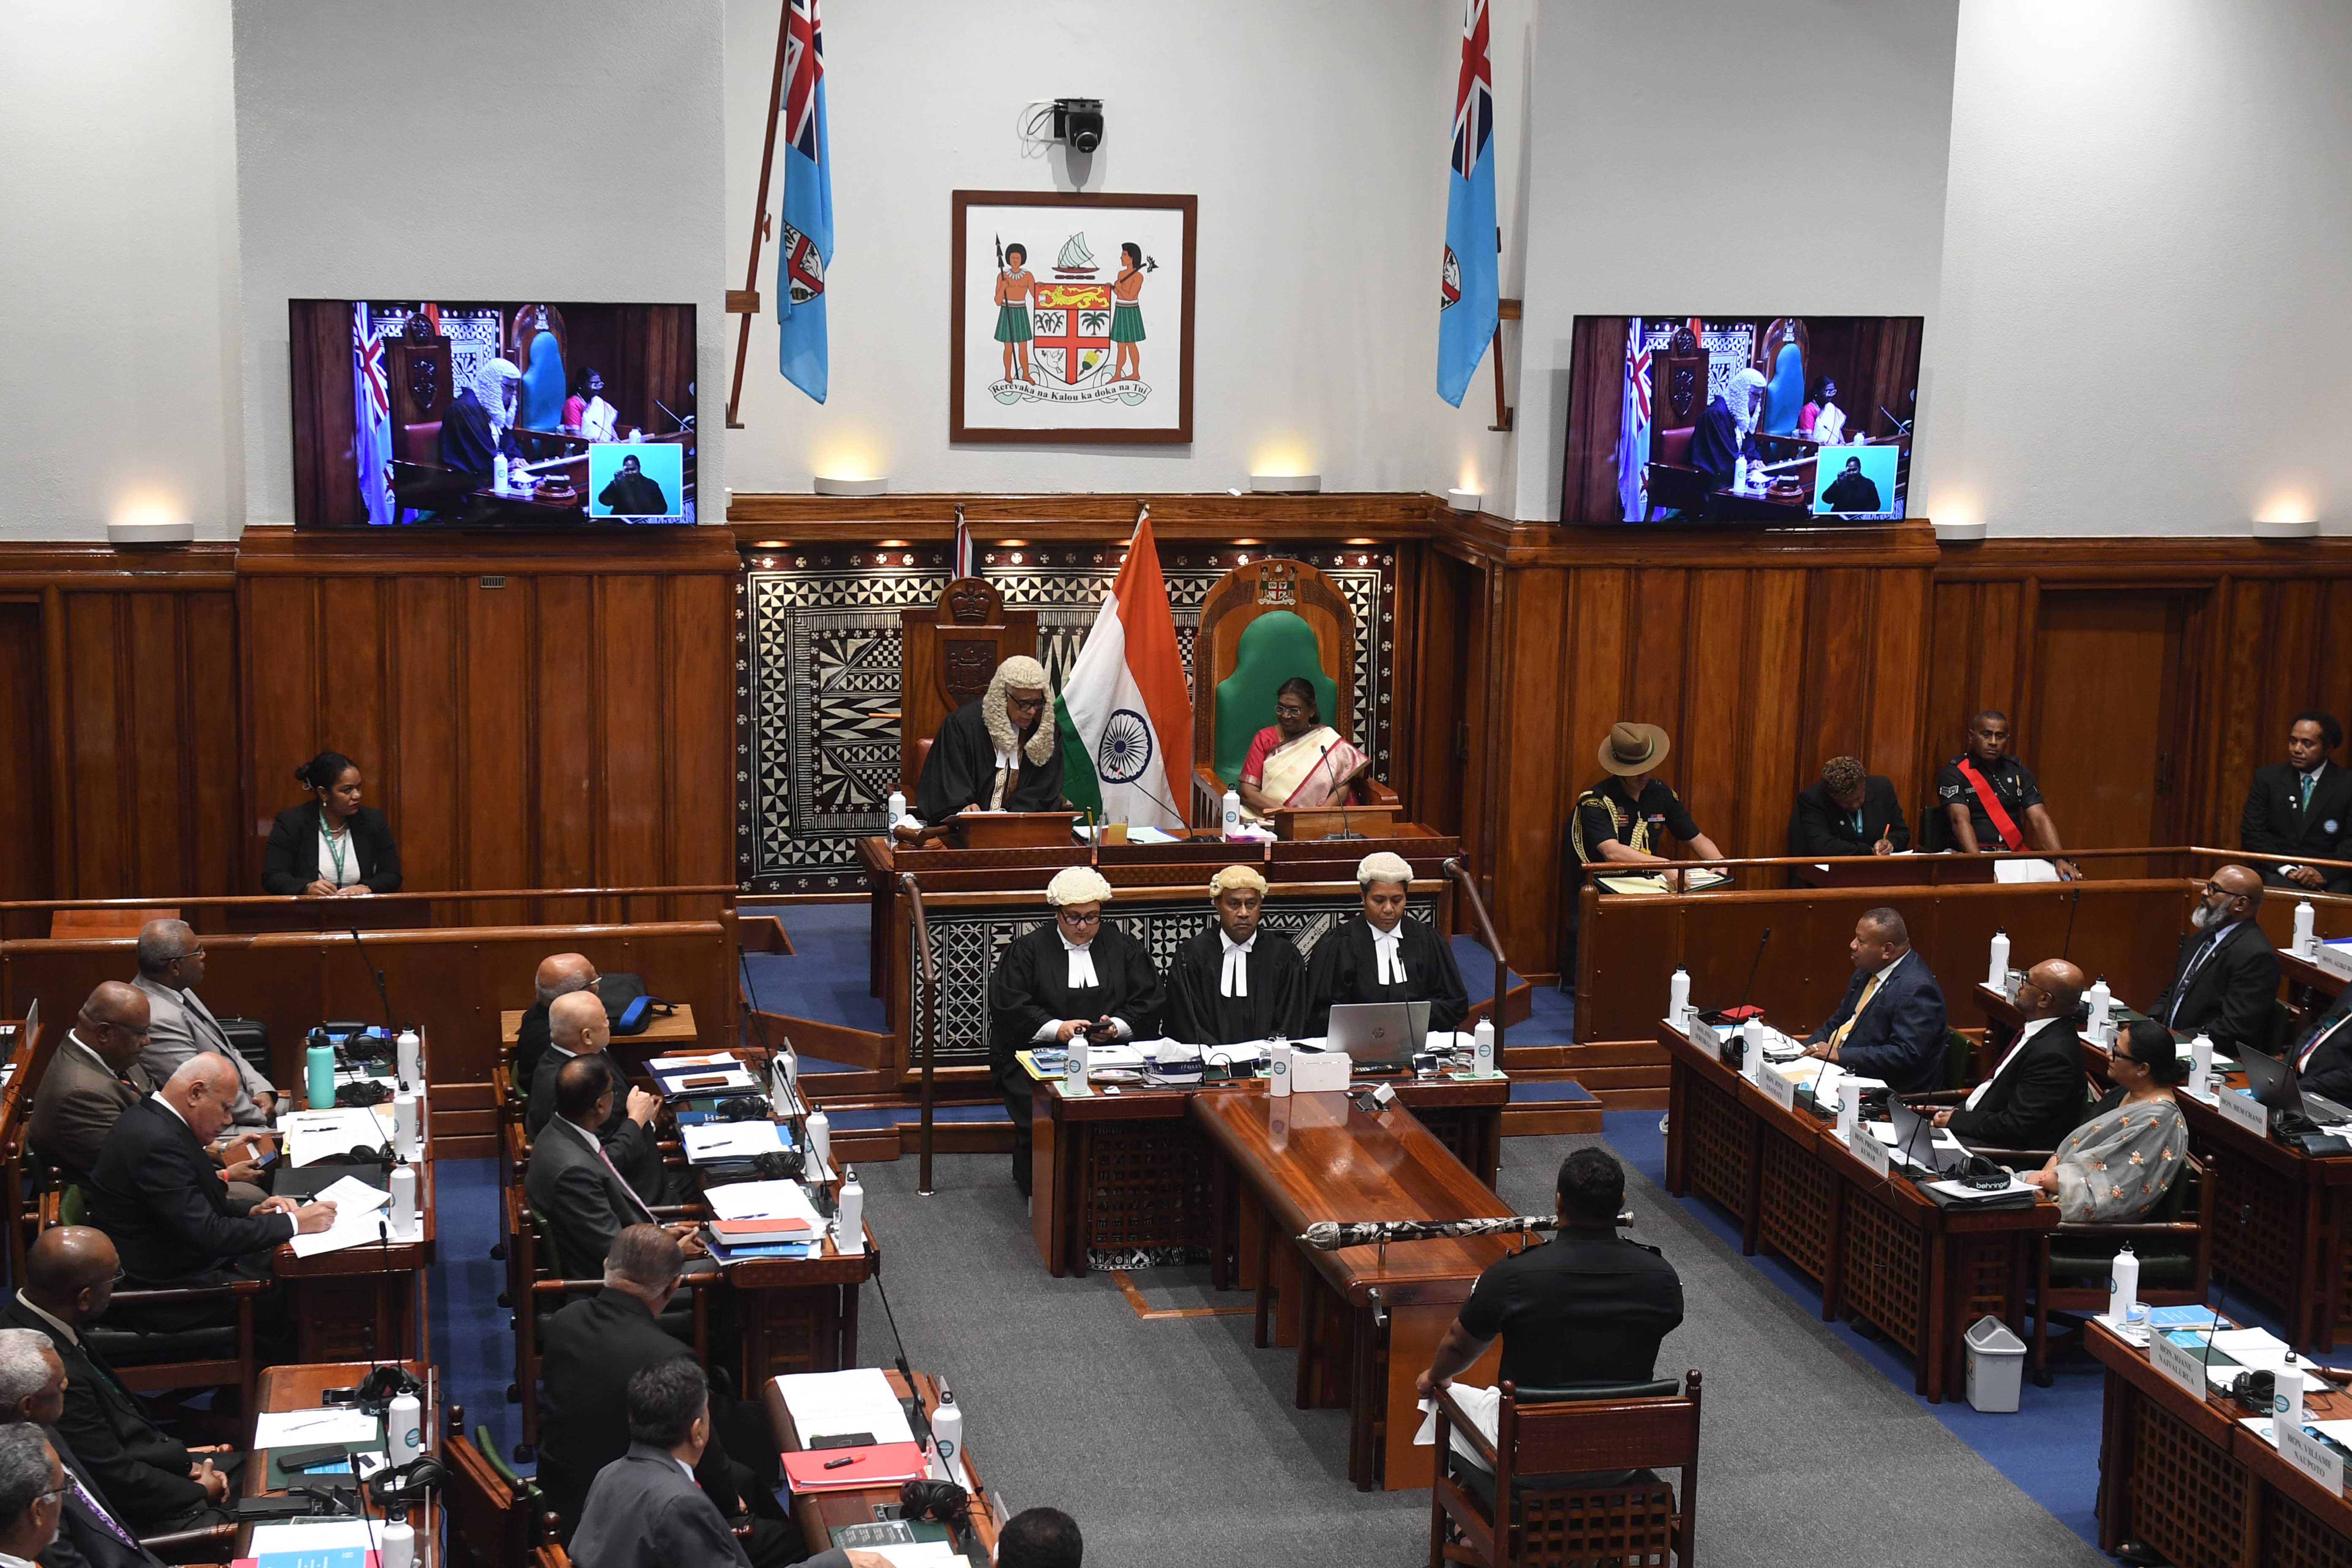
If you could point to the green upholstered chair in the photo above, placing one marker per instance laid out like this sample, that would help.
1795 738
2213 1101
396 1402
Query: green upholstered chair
1276 647
2173 1243
1958 1050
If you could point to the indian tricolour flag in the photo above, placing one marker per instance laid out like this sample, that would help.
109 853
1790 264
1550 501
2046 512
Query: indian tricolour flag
1125 712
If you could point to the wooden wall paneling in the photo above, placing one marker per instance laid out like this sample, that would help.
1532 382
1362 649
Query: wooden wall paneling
159 772
1898 665
1533 711
353 714
504 738
2107 728
212 809
1834 715
326 467
1774 690
1657 678
1596 398
279 701
1710 744
27 825
633 801
698 735
97 697
427 701
570 722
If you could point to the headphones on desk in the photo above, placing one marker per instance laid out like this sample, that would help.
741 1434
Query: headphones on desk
2254 1391
741 1108
1982 1174
387 1382
405 1486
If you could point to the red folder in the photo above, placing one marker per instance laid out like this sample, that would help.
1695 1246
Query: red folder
875 1465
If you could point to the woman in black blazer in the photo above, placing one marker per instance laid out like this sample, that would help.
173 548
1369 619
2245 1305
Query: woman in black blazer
331 844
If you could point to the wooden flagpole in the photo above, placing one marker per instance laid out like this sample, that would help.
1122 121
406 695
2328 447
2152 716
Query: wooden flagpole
745 301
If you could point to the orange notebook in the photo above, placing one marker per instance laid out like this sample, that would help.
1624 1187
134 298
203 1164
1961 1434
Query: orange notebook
877 1465
749 1232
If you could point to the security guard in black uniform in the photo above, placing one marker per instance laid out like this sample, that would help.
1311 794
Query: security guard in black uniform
1986 770
1625 820
1589 1307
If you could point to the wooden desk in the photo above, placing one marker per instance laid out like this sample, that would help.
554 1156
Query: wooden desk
2306 980
2179 1474
1132 1172
1368 1319
1922 1273
819 1514
2293 1251
366 1300
297 1387
675 1029
1898 871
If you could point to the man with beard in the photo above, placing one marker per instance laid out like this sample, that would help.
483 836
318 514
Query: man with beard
1235 982
479 424
2226 982
1727 431
1851 491
633 492
998 753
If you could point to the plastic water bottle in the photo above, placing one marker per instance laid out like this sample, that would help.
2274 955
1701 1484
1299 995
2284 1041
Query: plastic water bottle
408 1048
1482 1049
2103 1008
2200 1065
1232 814
898 808
404 1200
397 1546
318 1070
820 1137
849 1215
1074 1070
1738 474
1277 1069
1678 999
947 1437
2306 929
2123 1285
2286 1402
403 1430
1849 1122
1997 971
404 1124
499 475
1751 1035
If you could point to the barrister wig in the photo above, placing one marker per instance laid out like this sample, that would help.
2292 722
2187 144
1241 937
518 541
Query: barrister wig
1078 885
1019 673
1236 877
1383 866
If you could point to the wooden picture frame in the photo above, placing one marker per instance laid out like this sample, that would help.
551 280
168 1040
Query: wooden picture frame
1086 380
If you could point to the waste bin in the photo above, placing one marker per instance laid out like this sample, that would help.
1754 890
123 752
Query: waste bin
1996 1366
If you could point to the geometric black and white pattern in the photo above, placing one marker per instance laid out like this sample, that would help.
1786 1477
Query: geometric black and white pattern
817 634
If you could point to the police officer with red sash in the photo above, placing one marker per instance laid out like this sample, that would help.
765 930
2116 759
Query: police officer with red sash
1991 799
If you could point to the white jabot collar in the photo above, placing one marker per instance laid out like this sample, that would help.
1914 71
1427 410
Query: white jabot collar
1082 975
1234 980
1387 953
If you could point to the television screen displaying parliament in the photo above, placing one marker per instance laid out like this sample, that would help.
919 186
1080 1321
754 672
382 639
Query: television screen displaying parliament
1275 887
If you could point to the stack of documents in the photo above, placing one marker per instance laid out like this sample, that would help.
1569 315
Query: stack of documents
356 1203
715 1072
709 1142
838 1404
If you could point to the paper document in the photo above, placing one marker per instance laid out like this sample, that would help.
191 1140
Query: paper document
732 1078
313 1135
314 1535
917 1553
730 1141
1483 1405
682 1063
763 1200
356 1220
314 1428
2024 872
1656 881
829 1404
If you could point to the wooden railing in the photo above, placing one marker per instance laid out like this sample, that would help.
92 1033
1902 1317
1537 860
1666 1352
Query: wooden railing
221 913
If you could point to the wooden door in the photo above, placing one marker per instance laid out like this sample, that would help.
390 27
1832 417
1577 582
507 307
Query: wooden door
2106 733
26 871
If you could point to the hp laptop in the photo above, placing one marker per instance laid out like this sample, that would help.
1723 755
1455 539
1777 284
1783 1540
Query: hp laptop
1378 1036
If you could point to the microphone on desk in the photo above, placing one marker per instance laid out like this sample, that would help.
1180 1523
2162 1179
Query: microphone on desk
920 1419
2221 1293
383 993
2074 908
1740 1014
759 1028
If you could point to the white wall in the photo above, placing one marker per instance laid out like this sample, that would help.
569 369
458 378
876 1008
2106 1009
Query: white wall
1803 175
551 149
2145 277
118 267
1314 133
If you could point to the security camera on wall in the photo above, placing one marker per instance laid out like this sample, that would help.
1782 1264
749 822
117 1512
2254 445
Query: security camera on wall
1080 122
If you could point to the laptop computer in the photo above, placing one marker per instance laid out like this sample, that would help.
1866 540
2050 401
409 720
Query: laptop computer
2274 1083
1915 1137
1377 1036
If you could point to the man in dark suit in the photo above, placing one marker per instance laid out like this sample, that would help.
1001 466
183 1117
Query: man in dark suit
161 1198
2323 1057
2226 982
572 1183
2302 807
592 1347
579 1029
92 1078
158 1482
643 1510
1848 812
32 1482
2034 1098
560 975
91 1533
1890 1024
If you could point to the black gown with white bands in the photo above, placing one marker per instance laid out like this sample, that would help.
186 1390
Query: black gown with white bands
1345 968
1201 1015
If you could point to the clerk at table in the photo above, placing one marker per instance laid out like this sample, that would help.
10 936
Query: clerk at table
331 842
2035 1096
1381 955
1235 980
2225 982
1848 811
1890 1024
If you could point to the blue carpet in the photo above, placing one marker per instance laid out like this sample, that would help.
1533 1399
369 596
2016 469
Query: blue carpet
825 978
2049 1449
471 1338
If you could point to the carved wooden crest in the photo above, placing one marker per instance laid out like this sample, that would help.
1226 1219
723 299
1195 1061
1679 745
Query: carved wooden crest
420 328
966 667
1685 340
1277 582
1682 389
969 602
423 381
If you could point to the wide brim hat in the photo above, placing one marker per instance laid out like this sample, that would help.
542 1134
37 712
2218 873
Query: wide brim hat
1629 749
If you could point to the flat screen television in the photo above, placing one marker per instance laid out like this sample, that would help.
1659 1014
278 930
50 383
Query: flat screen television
491 414
1766 420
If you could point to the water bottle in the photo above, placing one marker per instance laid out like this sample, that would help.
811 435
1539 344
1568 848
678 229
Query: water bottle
947 1437
2200 1065
318 1070
820 1137
898 808
1997 971
1678 999
1073 1071
498 476
1277 1069
849 1215
1751 1036
1482 1049
404 1200
2123 1285
2306 929
403 1430
404 1124
408 1048
397 1546
1739 473
2102 1006
1849 1122
1232 814
2286 1402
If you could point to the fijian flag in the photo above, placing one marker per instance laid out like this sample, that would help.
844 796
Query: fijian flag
371 416
1633 430
1466 282
805 248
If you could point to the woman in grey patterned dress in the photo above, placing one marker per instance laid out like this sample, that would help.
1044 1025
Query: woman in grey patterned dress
2115 1166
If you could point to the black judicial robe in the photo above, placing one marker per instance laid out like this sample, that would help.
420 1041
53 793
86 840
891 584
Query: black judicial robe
962 770
466 444
1198 1015
1032 986
1345 969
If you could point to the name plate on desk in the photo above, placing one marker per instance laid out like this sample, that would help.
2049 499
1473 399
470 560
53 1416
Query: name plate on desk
2178 1363
1870 1151
2314 1459
2245 1110
1780 1087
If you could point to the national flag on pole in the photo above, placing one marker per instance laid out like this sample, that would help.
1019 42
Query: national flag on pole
965 559
1633 430
804 248
1126 713
372 421
1467 289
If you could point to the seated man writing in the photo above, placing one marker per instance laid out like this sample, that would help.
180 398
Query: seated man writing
1235 980
1297 761
997 752
1890 1024
1380 955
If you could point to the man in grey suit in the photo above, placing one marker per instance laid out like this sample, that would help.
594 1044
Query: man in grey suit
171 967
572 1183
644 1509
